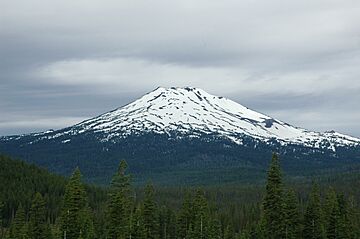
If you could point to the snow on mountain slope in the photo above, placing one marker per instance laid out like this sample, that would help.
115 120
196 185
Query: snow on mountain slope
194 112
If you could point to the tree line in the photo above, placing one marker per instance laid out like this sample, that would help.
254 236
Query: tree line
125 215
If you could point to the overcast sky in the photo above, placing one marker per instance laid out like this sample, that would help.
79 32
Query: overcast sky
62 61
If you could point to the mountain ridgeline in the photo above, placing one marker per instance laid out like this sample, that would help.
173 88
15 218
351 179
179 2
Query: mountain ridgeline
184 136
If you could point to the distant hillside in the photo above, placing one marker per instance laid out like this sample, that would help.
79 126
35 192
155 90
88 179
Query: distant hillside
20 181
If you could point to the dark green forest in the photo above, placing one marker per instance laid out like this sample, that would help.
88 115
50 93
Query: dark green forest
37 204
188 161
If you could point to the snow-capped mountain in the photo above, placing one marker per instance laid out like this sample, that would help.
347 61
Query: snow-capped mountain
195 113
184 135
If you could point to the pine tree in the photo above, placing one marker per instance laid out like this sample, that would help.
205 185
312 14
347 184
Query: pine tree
200 209
291 216
343 230
18 225
185 217
273 202
86 222
75 201
229 232
353 216
214 231
137 228
331 213
151 224
171 231
333 223
260 230
313 223
167 223
119 208
38 227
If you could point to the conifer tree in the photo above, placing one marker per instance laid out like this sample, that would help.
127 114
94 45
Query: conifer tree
313 222
291 215
200 209
171 224
333 223
229 232
185 217
151 223
167 228
343 229
38 227
331 213
86 222
137 225
258 231
214 231
353 216
75 201
18 226
273 202
119 208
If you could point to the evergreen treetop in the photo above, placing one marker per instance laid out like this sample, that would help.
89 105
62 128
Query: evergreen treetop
273 203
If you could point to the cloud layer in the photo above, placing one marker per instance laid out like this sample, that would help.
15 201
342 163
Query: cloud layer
65 61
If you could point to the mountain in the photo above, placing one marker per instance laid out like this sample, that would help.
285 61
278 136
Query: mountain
193 112
183 130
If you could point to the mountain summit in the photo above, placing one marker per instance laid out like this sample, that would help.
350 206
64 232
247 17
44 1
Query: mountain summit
195 113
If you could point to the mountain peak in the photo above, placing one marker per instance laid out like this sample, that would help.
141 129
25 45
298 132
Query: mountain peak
193 112
184 90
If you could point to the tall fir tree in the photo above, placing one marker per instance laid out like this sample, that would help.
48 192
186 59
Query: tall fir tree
214 231
291 216
167 223
150 214
120 205
201 216
273 204
258 230
329 203
87 223
343 230
313 219
185 217
18 228
74 220
353 216
137 225
38 227
331 214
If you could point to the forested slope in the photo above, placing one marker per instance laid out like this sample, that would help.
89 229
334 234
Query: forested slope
37 204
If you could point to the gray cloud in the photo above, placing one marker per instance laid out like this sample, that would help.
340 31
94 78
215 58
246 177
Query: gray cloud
66 60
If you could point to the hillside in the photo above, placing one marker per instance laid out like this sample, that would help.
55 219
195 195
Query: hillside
20 181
